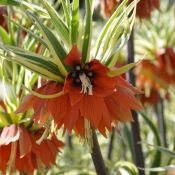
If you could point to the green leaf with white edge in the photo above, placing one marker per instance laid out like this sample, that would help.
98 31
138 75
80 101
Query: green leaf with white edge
5 118
29 31
35 9
36 68
159 169
118 35
10 2
66 8
54 46
20 80
60 26
152 127
162 149
158 155
75 21
9 96
4 36
33 79
108 25
121 70
87 32
129 167
34 62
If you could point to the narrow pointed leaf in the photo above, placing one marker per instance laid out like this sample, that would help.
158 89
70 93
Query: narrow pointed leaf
54 46
10 2
60 26
108 25
121 70
88 32
75 21
34 62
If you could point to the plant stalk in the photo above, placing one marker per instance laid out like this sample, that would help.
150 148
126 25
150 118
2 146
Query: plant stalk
97 156
159 111
110 145
69 141
137 147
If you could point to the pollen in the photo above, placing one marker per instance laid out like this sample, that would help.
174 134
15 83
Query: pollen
86 84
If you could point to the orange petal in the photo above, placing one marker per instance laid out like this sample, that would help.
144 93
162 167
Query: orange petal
94 109
127 99
73 58
117 112
25 144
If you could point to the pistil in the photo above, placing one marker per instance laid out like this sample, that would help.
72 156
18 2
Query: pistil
86 84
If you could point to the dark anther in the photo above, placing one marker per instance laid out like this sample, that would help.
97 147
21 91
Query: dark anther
74 74
90 74
86 66
77 80
78 67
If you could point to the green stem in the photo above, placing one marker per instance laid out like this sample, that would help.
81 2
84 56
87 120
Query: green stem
97 156
137 147
110 145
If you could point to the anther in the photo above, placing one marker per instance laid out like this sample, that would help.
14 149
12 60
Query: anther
86 66
77 67
90 74
74 74
86 84
77 80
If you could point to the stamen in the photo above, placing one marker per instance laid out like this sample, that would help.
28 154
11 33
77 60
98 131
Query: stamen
77 80
74 74
86 84
86 67
46 131
77 67
90 74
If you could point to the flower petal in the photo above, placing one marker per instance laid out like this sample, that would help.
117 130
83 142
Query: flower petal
94 109
73 58
9 134
25 144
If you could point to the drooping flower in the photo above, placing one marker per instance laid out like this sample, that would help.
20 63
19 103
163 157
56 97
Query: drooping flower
108 7
3 21
143 10
145 7
19 150
166 63
149 78
90 94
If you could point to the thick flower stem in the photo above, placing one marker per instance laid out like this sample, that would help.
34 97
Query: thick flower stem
162 124
97 157
159 111
110 145
69 141
137 147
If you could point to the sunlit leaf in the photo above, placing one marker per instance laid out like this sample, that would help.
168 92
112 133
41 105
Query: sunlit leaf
10 2
60 26
88 32
54 46
75 21
121 70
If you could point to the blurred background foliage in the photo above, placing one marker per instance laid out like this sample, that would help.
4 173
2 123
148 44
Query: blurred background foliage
151 36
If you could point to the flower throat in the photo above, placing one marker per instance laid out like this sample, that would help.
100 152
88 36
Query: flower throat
82 76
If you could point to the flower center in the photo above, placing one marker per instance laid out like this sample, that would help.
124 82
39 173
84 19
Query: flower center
81 76
86 84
